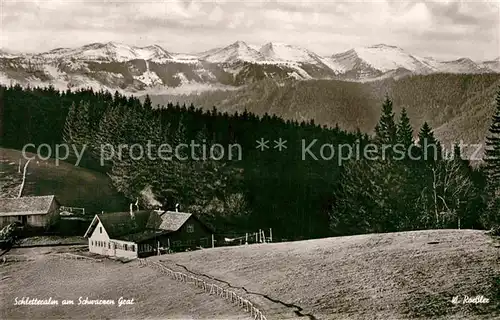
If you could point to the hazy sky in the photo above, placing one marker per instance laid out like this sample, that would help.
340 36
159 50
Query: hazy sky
442 29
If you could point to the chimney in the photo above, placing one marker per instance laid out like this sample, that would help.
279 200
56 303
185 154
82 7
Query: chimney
164 206
176 207
137 204
159 210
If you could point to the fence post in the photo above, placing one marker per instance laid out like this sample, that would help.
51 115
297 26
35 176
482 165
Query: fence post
224 293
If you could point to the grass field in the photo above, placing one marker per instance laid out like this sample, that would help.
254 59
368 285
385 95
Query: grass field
73 186
155 297
410 275
377 276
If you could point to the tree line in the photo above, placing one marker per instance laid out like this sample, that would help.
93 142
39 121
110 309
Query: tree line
298 197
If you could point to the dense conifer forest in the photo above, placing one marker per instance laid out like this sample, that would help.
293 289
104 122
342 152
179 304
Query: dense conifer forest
298 194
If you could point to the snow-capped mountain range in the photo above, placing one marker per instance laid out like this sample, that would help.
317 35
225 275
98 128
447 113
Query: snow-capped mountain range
117 66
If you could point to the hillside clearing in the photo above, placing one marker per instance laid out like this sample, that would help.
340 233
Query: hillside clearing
376 276
73 186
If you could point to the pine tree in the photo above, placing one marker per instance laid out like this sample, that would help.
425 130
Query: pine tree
405 131
492 152
386 129
430 147
492 167
69 131
428 173
147 102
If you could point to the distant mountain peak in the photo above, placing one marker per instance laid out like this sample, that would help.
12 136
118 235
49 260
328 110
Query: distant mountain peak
463 59
239 44
278 44
236 51
384 46
377 60
235 64
108 51
279 51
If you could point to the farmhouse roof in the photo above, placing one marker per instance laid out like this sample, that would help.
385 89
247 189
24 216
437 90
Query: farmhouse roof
168 221
145 224
25 205
118 224
144 235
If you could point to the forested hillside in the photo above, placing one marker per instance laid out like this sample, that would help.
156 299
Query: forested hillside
314 193
459 106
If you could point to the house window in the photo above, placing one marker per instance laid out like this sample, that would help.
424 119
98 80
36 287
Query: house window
100 229
133 248
92 242
109 245
177 243
190 228
126 247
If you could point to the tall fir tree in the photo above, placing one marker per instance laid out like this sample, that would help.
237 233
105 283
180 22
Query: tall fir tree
430 146
69 130
492 151
404 130
386 129
147 102
492 167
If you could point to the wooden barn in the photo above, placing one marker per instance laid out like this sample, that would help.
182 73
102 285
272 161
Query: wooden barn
136 234
37 211
181 230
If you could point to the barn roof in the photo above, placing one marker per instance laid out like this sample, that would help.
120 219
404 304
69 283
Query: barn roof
25 205
168 221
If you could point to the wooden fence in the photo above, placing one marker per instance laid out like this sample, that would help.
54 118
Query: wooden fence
68 255
15 258
210 288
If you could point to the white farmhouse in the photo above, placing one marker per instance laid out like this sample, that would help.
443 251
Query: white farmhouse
117 234
138 234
